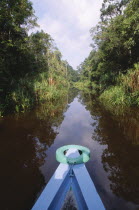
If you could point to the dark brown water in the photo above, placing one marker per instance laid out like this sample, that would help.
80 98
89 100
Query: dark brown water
28 143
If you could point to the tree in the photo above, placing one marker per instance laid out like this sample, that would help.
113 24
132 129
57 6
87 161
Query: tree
16 18
112 8
115 43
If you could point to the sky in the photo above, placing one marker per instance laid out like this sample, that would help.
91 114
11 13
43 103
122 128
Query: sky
69 22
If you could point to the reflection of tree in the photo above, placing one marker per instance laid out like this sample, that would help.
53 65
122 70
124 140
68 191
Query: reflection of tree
72 94
129 124
121 157
25 140
122 164
20 174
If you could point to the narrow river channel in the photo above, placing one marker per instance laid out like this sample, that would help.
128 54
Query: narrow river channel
28 142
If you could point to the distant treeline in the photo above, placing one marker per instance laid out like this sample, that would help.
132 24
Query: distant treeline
31 66
112 68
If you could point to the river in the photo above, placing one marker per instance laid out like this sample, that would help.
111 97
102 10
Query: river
29 141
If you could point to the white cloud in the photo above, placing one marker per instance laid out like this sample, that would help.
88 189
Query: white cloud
69 22
85 11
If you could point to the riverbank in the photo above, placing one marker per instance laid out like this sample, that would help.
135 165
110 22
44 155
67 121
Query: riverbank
122 95
126 91
32 91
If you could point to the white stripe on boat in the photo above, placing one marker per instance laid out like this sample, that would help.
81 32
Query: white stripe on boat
64 178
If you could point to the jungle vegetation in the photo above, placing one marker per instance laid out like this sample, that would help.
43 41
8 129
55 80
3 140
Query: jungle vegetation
31 67
111 70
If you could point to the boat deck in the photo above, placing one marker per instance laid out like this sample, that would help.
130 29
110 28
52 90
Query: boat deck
67 178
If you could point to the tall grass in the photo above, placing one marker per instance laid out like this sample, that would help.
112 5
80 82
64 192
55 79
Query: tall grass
114 96
29 92
82 85
126 92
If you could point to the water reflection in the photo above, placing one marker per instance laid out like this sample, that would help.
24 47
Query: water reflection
19 165
29 141
25 139
129 124
120 158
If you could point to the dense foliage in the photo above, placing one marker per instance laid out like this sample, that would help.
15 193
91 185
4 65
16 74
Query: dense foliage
31 66
111 68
